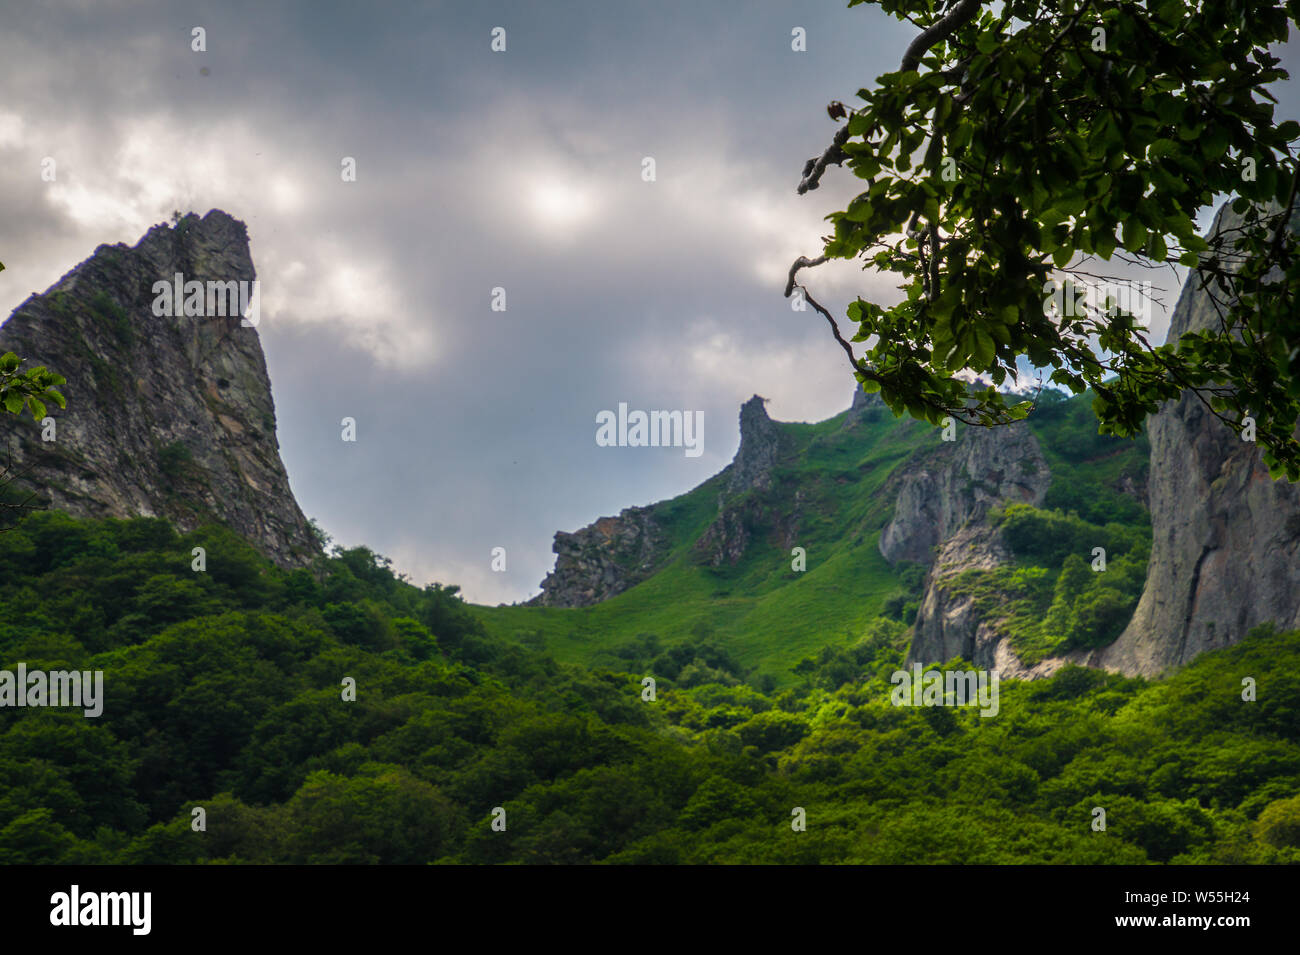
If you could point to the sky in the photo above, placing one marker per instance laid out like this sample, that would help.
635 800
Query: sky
476 170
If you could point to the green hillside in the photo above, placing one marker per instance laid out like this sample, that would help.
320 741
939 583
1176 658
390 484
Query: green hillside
226 690
766 616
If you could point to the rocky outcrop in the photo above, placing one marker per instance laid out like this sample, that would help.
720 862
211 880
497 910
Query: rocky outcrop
766 517
957 484
1225 552
603 559
949 625
616 553
865 407
748 508
940 520
760 444
167 416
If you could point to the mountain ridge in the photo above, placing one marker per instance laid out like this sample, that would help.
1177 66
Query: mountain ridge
1204 586
976 541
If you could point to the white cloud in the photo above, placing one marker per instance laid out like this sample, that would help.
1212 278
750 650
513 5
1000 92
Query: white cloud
808 379
11 130
350 290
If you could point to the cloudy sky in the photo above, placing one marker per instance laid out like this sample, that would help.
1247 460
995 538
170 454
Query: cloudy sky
475 170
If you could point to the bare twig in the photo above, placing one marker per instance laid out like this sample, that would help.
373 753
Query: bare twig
802 262
833 156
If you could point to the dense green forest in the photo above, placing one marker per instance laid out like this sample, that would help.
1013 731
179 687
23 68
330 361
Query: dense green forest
224 689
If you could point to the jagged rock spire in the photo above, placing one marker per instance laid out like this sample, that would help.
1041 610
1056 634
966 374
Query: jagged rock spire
759 446
168 415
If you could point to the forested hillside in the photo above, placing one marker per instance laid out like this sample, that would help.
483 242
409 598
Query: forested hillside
224 689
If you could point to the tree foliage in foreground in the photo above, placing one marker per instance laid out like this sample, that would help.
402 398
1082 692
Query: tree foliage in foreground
33 387
1025 143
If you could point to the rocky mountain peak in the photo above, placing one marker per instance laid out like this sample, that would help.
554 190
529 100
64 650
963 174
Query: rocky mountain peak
760 440
612 554
169 404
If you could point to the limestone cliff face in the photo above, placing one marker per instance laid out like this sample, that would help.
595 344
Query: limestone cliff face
1225 542
940 520
948 625
958 483
760 444
1225 552
167 416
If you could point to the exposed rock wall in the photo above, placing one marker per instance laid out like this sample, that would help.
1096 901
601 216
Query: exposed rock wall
940 520
958 484
1225 552
616 553
760 445
167 416
948 625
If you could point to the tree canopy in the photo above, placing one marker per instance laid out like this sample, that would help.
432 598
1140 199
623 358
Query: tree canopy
1019 146
223 691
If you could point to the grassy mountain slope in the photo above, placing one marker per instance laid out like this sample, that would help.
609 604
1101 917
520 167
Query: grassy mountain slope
767 616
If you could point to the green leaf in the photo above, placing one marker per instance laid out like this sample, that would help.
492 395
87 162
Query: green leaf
1170 110
1164 147
985 347
1156 249
1134 234
1215 142
858 211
